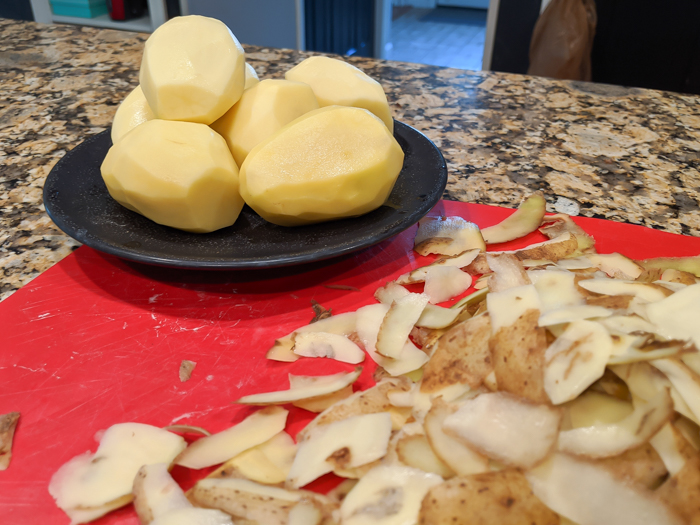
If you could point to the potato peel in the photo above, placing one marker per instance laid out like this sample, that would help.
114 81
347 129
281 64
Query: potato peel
8 424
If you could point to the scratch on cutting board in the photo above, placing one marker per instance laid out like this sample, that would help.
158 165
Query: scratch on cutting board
243 382
154 298
31 369
190 414
43 316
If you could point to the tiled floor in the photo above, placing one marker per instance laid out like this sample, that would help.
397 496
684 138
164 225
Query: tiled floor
450 37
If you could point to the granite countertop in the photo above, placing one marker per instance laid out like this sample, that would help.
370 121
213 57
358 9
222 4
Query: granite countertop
630 155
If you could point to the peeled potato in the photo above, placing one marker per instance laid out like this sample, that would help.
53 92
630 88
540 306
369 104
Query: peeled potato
179 174
134 110
251 77
338 83
262 110
193 69
328 164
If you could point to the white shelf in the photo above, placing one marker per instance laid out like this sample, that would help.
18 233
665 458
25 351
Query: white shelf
157 15
142 24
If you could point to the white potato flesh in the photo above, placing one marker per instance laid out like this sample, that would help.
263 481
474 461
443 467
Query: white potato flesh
666 444
447 236
133 110
334 383
332 346
217 448
626 351
641 291
280 450
415 451
387 495
626 324
390 292
594 408
507 306
92 480
458 261
606 440
305 514
570 487
194 516
506 428
508 272
398 323
88 514
685 381
192 69
268 463
156 493
438 317
556 289
362 439
569 314
455 454
677 315
575 360
337 83
341 324
692 361
179 174
643 380
369 321
442 283
575 263
616 265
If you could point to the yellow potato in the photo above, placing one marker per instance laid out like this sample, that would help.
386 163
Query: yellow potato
133 110
179 174
338 83
193 69
263 109
251 77
328 164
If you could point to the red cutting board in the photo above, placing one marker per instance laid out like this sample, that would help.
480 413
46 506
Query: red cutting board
96 341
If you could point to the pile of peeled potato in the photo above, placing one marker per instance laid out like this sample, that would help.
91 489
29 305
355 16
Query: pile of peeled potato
201 136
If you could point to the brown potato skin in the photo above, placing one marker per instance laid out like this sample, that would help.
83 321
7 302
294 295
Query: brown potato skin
518 358
640 465
462 355
8 423
682 491
549 252
141 506
614 302
491 498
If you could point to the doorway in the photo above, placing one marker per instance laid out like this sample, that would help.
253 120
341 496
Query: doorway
440 35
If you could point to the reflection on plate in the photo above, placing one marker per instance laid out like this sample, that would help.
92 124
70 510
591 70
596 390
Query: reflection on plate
78 202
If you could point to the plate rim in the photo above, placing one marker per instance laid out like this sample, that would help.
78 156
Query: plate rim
130 254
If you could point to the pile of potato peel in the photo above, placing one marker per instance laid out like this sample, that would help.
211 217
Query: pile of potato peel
565 389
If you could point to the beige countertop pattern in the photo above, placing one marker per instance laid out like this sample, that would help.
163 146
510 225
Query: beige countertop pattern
629 155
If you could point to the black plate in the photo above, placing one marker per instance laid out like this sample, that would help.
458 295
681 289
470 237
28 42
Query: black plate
77 200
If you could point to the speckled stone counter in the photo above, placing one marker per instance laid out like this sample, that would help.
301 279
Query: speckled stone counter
627 155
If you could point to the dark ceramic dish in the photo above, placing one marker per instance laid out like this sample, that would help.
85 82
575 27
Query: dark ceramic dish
78 202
